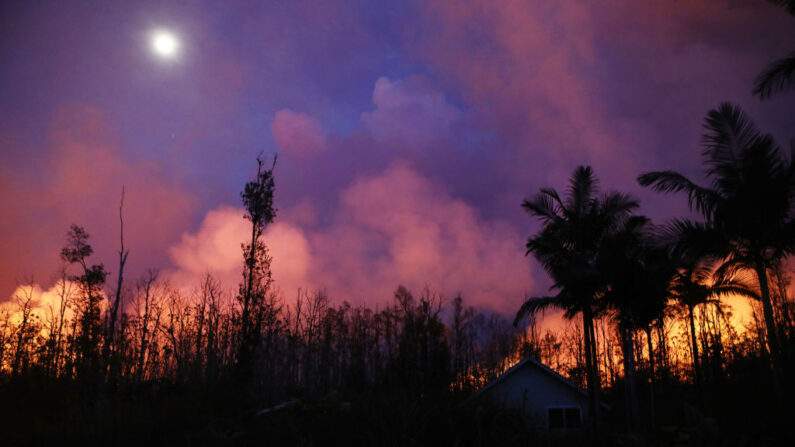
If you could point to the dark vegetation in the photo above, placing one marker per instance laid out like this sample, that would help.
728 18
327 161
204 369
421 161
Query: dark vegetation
129 363
134 362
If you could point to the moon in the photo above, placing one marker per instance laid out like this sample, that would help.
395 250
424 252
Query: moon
164 44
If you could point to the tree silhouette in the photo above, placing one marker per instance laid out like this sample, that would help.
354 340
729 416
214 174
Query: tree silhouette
780 74
91 280
568 248
638 273
776 77
117 299
789 5
26 329
748 206
258 201
693 287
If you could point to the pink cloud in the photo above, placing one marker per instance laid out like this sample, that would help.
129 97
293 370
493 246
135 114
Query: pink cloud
392 228
216 248
296 133
409 110
80 182
398 227
527 65
568 83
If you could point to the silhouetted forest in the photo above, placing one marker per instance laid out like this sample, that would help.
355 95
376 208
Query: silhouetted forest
114 360
131 361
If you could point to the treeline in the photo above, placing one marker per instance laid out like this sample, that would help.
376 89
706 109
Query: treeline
104 335
650 299
308 346
311 346
646 319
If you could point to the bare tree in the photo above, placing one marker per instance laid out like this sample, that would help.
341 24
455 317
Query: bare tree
25 329
147 309
114 308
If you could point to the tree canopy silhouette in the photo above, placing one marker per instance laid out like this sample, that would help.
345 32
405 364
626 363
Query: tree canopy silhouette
748 205
568 247
256 311
780 74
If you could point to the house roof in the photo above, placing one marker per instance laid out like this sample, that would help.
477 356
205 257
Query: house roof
529 361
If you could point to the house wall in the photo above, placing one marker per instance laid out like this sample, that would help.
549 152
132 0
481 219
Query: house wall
533 390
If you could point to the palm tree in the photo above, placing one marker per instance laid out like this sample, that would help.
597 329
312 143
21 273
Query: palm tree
776 77
568 247
691 289
748 206
780 74
789 5
638 273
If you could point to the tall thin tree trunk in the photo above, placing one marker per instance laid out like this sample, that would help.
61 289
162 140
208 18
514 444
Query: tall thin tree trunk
593 383
245 350
694 342
630 384
22 331
61 319
772 333
651 377
609 370
664 364
117 299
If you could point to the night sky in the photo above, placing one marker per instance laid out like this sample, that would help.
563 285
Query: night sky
407 133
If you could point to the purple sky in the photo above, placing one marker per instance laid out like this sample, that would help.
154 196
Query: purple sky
408 134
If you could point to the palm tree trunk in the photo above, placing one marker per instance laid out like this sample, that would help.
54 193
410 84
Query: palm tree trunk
772 333
630 385
651 378
595 356
663 360
593 384
694 342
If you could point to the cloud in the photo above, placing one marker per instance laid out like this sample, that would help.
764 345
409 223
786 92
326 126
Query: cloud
392 228
298 134
216 248
398 227
483 102
567 83
79 181
409 110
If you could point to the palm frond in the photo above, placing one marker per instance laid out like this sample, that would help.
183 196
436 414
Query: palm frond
636 224
699 198
582 187
776 77
786 241
552 195
543 206
534 305
691 241
616 205
728 133
732 268
788 5
733 289
546 245
700 274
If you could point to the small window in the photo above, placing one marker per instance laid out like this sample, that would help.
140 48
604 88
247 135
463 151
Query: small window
573 418
556 420
564 418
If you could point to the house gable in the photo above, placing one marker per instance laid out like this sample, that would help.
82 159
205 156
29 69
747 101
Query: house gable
539 393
